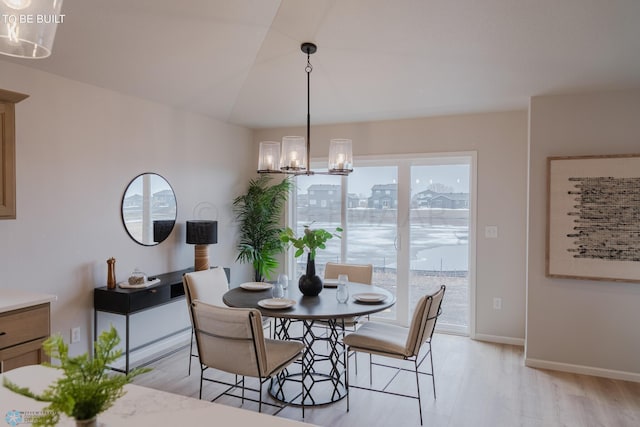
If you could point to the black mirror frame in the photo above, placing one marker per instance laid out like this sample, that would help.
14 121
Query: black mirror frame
164 228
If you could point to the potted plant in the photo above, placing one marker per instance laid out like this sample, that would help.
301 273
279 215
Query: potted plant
310 241
85 389
259 213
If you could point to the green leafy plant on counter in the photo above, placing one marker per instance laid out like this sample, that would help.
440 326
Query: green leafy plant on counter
86 389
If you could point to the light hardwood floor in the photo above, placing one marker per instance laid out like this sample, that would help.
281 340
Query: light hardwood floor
477 383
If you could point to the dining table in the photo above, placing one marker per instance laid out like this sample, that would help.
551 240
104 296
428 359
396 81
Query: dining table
318 322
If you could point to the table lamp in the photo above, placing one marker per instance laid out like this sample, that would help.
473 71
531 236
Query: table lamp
202 233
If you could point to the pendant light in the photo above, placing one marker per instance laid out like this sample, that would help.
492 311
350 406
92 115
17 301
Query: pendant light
28 27
293 155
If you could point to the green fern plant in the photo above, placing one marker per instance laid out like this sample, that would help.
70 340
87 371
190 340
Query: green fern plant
85 389
259 214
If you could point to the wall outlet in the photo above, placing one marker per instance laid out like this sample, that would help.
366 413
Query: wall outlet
491 232
497 303
75 335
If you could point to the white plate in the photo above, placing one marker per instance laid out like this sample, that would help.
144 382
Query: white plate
256 286
369 297
276 303
330 283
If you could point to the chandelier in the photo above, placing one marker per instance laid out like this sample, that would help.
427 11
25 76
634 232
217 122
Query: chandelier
293 156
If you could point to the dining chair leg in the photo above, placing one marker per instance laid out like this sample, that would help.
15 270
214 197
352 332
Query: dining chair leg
415 362
260 397
370 370
190 350
433 374
201 375
242 382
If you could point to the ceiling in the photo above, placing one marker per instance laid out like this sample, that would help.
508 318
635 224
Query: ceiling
240 61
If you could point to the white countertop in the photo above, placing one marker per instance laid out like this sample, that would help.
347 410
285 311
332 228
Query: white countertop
140 406
13 299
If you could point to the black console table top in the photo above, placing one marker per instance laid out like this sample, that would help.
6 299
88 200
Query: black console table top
127 301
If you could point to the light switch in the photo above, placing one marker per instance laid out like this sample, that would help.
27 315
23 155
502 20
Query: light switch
491 231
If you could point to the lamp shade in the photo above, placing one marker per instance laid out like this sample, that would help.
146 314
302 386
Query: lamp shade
269 159
28 27
340 156
202 232
294 154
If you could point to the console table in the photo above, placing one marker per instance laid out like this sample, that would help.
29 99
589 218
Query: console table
130 301
126 302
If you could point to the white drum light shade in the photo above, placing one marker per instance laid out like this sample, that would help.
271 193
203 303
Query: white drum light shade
340 156
269 158
28 27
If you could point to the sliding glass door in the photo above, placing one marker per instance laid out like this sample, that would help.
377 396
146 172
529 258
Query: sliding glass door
409 217
439 225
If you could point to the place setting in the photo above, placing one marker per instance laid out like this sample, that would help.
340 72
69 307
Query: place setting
256 286
278 301
369 297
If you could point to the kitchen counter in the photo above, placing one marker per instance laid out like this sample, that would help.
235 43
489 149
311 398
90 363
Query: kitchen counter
14 299
140 406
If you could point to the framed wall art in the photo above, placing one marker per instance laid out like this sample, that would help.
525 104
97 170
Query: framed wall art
593 217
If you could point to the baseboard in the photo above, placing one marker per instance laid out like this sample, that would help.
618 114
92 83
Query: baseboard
499 339
581 369
152 351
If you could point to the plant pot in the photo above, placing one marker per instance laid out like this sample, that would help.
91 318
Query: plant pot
91 422
310 284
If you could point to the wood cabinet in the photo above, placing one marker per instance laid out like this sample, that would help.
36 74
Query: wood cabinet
8 153
22 333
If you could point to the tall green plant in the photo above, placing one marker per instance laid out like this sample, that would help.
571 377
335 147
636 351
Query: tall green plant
259 213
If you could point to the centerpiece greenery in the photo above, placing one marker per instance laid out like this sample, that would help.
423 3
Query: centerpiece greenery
310 241
85 389
259 213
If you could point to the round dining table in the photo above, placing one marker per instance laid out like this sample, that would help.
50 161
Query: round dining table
319 323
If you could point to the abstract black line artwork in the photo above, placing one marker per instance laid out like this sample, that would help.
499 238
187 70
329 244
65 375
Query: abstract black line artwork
607 219
593 217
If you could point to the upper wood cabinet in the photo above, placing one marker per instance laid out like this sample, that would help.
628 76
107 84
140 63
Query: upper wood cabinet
8 152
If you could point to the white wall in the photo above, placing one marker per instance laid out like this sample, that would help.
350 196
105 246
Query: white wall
78 146
500 140
579 325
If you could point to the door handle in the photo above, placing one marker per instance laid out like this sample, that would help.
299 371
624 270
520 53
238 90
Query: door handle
396 242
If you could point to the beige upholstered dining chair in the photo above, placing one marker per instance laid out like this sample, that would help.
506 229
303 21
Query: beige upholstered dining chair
394 341
232 340
205 285
360 273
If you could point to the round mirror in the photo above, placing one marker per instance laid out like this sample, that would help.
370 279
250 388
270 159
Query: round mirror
149 209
